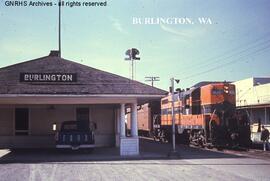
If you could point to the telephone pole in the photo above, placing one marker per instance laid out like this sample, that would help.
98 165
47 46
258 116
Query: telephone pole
173 152
59 28
152 80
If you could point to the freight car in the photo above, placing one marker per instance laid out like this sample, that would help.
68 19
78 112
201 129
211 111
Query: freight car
146 114
205 115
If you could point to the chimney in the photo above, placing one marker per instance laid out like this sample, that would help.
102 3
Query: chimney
54 53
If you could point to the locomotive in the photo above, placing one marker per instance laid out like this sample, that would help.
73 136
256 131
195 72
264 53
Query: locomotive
205 115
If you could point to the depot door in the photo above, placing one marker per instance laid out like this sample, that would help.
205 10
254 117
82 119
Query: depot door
21 121
82 115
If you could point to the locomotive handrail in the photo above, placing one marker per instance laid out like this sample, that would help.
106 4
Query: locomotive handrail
210 123
212 116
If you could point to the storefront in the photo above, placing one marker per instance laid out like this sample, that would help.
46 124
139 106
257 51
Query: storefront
36 94
253 96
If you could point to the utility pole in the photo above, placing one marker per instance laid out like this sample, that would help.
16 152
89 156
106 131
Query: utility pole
59 28
152 80
173 152
173 117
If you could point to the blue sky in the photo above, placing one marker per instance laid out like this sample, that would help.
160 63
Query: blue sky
234 47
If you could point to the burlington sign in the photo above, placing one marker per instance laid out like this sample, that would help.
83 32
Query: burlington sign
48 77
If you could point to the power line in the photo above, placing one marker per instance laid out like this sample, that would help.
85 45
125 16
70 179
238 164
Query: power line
234 52
254 42
226 64
220 59
223 65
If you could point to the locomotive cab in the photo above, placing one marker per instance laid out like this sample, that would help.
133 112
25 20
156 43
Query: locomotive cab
226 126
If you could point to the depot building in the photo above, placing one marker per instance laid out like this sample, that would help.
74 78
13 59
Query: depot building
39 94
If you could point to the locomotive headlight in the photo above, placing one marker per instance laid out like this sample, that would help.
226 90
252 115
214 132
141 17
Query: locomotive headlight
226 89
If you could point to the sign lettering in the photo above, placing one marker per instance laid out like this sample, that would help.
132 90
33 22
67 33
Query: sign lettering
48 77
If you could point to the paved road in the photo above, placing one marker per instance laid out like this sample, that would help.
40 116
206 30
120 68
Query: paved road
194 164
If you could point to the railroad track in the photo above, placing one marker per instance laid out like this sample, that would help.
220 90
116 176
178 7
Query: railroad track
251 153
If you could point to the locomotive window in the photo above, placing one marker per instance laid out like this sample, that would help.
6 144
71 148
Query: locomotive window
217 91
232 92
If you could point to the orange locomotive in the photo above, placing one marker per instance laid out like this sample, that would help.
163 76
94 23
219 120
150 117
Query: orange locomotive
204 115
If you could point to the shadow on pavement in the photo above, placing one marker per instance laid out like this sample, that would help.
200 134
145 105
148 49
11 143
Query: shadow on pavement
149 150
185 152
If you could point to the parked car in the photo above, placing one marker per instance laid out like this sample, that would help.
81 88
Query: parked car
75 134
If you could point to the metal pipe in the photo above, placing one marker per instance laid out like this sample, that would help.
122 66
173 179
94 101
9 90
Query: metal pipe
265 116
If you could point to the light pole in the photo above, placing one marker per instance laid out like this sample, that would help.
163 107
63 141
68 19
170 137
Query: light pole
173 153
131 56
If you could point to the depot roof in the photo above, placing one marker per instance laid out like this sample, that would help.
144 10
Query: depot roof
54 75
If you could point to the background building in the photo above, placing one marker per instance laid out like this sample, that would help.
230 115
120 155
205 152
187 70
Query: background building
253 95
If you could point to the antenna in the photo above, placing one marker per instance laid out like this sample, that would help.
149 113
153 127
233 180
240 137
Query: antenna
152 79
59 26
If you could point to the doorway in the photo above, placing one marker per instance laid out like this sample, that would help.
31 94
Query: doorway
82 115
21 121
